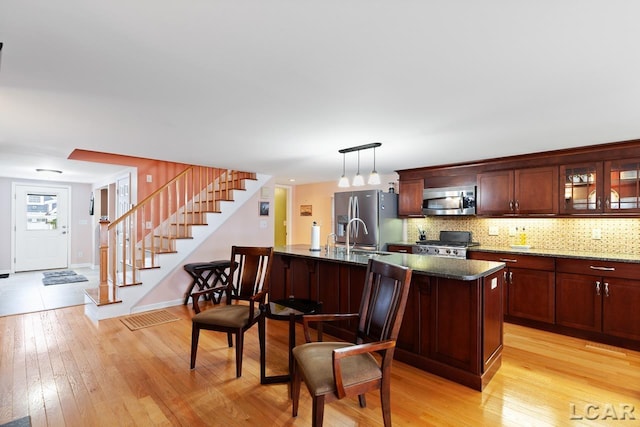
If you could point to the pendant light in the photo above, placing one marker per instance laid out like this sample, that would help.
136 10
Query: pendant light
344 181
358 180
374 178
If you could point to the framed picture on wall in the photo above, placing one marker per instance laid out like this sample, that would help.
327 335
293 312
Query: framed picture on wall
264 208
305 210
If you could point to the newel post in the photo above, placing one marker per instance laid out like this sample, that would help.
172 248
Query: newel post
104 261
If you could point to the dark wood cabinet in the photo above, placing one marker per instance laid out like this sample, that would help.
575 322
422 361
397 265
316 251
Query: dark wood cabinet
451 327
410 197
495 193
403 249
518 192
529 285
622 186
582 188
599 297
415 331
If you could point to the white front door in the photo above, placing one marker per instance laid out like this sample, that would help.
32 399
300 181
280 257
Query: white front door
41 232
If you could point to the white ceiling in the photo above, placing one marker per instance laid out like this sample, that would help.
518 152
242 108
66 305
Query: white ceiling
279 86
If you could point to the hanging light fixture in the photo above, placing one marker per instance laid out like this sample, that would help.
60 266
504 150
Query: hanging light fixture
344 181
374 178
358 180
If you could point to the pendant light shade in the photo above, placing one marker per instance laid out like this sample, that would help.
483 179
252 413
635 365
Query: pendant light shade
344 181
358 180
374 178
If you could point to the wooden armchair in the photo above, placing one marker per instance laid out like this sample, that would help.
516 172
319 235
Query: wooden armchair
246 289
334 370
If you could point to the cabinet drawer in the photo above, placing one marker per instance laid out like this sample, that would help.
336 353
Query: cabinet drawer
623 270
405 249
520 261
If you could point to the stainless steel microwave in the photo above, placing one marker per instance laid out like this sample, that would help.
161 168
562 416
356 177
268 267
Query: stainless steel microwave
449 201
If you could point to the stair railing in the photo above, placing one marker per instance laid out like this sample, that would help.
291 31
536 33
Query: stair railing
150 228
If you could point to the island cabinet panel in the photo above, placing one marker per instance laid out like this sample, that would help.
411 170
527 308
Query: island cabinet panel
493 330
279 277
455 324
415 332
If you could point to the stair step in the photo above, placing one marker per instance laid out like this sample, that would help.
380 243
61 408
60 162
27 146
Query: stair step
94 295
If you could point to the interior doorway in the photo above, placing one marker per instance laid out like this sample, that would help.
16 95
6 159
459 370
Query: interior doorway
40 234
282 213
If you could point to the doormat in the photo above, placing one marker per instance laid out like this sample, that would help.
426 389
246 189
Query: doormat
22 422
149 318
60 277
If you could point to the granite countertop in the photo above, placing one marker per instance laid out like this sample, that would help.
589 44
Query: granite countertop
450 268
557 253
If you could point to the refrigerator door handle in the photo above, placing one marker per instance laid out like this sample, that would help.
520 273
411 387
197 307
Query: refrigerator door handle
356 214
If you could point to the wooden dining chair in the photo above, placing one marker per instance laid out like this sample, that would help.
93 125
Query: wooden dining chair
245 290
334 370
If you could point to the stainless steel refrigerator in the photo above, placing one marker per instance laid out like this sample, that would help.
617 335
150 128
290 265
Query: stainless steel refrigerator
378 210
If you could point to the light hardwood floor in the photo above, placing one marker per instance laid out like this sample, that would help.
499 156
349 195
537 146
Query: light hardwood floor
63 370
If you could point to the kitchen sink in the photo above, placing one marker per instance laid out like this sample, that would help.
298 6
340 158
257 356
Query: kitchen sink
367 252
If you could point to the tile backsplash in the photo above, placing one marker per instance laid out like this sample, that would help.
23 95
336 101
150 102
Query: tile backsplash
617 235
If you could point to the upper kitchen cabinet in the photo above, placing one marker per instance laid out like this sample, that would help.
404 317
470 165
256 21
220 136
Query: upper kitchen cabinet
410 197
530 191
583 188
612 187
622 184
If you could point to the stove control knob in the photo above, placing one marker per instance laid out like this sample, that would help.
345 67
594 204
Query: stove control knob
436 250
448 251
455 252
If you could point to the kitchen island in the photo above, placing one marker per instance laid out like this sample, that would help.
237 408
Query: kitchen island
453 322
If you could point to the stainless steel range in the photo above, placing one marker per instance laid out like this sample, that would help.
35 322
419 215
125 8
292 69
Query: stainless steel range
452 244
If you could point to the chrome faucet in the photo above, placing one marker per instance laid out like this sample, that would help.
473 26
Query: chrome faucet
349 231
326 248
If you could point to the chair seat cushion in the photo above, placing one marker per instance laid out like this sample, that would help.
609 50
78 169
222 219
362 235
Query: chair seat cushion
316 366
230 316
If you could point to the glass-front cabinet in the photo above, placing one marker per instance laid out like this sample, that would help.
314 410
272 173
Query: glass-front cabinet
582 188
622 179
601 187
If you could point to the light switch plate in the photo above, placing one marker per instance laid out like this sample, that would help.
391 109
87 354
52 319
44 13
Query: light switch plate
493 230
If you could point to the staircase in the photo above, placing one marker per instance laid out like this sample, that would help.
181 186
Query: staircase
139 249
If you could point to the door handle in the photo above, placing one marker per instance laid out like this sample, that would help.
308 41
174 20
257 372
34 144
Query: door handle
595 267
598 288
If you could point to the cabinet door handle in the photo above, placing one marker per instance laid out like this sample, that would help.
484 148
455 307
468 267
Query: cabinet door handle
599 202
606 289
517 205
511 277
595 267
507 260
607 203
510 205
597 288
